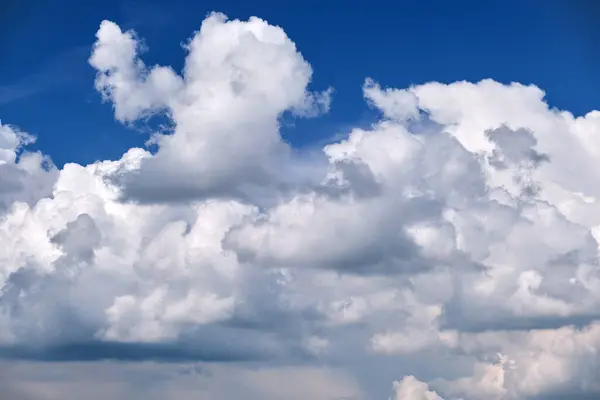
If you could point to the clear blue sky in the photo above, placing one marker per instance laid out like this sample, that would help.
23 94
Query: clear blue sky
46 85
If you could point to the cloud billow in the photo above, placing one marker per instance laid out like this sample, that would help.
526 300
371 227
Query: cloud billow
459 230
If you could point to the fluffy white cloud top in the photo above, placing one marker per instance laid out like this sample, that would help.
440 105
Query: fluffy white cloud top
239 77
449 251
24 176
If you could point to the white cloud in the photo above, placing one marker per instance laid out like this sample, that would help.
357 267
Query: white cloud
396 104
454 242
24 176
409 388
239 77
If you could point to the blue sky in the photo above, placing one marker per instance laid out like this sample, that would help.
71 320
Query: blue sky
46 84
428 231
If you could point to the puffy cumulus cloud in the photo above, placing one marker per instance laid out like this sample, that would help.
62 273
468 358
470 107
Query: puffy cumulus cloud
538 363
451 247
24 176
409 388
239 77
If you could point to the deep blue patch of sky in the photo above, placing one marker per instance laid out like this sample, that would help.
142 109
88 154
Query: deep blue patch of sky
46 85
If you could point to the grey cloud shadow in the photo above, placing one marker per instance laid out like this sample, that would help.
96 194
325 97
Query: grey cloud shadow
101 350
477 320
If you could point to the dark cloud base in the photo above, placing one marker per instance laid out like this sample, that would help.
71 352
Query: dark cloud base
101 350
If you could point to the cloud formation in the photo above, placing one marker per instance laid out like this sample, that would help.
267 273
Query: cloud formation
449 251
24 176
239 77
